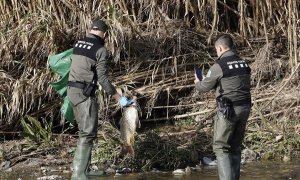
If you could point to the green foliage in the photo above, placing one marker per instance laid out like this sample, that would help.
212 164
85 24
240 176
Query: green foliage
35 132
270 147
109 143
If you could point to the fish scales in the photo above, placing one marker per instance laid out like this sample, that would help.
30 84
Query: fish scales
128 124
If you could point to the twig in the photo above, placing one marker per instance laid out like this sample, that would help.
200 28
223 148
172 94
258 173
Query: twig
177 106
177 116
25 156
214 21
179 133
283 86
273 113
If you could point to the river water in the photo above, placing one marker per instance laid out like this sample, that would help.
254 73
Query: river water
250 171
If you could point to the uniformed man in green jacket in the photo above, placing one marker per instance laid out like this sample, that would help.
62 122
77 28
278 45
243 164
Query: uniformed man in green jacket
89 66
230 77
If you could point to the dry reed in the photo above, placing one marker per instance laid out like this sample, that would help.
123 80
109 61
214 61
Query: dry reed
155 47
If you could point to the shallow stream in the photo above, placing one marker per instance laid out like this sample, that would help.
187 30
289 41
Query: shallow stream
250 171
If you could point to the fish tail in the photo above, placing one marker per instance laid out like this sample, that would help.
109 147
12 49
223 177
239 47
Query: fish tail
128 150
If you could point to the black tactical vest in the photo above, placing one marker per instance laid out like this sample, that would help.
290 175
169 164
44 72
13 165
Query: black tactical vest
233 66
88 47
235 82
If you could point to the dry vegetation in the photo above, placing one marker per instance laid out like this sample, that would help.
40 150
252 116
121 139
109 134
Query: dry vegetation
155 47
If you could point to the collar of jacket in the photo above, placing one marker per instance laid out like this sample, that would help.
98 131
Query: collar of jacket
101 41
226 54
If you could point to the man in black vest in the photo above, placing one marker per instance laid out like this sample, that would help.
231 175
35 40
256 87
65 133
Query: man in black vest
89 66
230 77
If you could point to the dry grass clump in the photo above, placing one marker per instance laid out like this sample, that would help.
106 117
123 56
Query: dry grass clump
270 64
153 149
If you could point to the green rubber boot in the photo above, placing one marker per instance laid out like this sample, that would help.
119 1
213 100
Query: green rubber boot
94 173
81 162
224 167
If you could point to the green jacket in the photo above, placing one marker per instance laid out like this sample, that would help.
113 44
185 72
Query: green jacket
89 52
230 76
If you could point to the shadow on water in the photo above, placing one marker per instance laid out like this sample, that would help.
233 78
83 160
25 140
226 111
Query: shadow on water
255 170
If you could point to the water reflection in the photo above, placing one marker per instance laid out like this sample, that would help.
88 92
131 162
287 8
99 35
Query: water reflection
255 170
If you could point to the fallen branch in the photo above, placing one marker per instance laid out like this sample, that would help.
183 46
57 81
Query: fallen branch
283 86
273 113
178 116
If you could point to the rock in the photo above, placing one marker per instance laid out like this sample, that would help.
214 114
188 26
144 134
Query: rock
4 165
209 162
113 166
196 168
278 138
9 170
124 170
248 155
49 169
53 177
154 170
62 168
118 174
179 172
110 171
66 171
188 170
286 159
95 168
44 169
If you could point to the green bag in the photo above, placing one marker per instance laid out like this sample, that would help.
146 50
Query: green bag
60 64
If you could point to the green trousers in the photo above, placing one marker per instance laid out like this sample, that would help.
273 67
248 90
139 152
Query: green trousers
86 115
228 136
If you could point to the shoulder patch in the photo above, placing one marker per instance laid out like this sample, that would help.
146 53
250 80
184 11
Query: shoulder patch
208 73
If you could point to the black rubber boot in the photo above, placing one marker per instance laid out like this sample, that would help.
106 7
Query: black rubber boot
81 162
236 166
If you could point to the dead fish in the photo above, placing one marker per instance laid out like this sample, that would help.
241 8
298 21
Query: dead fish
128 124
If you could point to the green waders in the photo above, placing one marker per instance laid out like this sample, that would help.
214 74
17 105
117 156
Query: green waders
228 136
86 115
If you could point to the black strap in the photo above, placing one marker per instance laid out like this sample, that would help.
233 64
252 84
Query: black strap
93 68
221 89
241 102
77 84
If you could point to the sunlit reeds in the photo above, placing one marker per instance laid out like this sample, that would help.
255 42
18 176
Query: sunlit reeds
155 47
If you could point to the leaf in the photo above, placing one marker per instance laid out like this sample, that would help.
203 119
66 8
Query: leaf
40 130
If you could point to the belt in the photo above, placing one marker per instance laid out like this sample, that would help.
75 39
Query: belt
77 84
241 102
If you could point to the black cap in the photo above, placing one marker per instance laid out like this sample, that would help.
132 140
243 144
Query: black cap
99 25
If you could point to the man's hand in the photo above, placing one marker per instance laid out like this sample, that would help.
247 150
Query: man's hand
196 78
